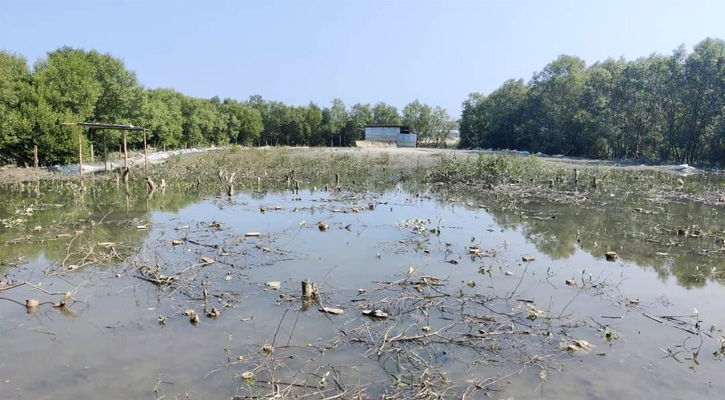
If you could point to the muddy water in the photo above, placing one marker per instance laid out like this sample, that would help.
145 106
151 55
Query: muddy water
109 343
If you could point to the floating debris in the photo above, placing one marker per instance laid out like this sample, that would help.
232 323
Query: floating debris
275 285
248 377
611 255
527 258
332 310
213 313
377 313
31 304
578 345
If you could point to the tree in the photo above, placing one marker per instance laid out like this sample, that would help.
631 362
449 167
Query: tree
556 93
313 117
359 116
336 120
441 125
471 123
240 122
419 118
15 90
162 115
384 114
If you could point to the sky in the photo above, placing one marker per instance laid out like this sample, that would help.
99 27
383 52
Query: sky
360 51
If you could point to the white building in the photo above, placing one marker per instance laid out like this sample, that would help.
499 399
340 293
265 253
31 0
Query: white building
398 134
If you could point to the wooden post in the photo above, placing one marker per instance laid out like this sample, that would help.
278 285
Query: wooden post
105 152
145 153
125 151
120 154
92 156
80 152
35 156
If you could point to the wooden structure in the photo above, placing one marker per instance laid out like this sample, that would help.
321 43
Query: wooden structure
116 127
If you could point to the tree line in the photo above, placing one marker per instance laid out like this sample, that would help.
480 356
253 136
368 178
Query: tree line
73 85
661 108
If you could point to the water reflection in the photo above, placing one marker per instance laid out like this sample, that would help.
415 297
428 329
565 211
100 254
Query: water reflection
116 345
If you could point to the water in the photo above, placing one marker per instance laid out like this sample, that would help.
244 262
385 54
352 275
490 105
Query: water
110 343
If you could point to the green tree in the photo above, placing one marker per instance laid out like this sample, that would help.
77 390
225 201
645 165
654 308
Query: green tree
359 116
471 122
418 117
384 114
162 115
15 90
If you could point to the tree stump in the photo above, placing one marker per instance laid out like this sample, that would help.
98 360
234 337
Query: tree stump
310 291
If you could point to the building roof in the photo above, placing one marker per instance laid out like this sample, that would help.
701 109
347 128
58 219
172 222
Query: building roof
95 125
388 126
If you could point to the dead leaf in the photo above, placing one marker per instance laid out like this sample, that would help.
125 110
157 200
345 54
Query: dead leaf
207 260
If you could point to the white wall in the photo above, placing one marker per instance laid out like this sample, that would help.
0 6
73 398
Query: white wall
382 134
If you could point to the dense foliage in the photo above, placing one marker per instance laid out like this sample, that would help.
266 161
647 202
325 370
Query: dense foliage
72 85
658 108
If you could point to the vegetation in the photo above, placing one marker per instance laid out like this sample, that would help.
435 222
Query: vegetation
659 108
72 85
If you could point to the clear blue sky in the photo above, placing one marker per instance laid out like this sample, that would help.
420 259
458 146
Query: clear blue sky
360 51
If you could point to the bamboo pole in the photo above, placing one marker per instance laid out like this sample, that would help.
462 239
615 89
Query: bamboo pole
125 150
92 156
80 152
35 156
145 153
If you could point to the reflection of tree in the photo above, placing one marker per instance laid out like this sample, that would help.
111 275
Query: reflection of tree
636 236
103 213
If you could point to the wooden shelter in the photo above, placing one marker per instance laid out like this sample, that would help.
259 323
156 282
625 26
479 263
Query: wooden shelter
116 127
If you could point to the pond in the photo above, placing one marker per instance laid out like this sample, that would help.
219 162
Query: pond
435 295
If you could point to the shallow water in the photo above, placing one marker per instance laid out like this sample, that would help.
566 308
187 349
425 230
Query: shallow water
109 343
